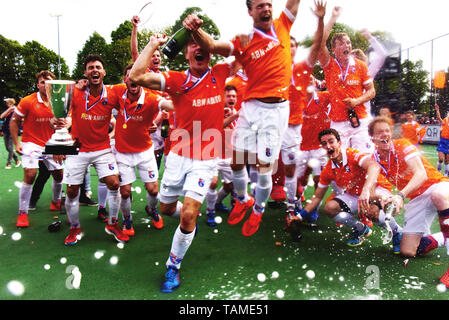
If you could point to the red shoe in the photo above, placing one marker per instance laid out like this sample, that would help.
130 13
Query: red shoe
115 231
278 193
445 279
129 232
22 221
252 224
55 206
239 210
156 218
365 220
73 237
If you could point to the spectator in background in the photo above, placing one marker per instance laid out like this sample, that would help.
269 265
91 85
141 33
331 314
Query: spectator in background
410 128
443 145
6 116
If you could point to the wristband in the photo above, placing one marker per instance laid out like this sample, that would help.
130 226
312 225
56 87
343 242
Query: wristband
401 195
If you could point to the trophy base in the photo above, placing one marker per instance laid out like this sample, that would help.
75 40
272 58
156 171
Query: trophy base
61 150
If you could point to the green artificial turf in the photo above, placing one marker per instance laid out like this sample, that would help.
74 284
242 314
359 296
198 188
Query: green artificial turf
221 264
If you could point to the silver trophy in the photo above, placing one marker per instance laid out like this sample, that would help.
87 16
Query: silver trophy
59 94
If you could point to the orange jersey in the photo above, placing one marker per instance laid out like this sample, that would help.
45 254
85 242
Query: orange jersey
409 131
267 60
350 176
344 84
298 91
134 119
199 112
239 81
315 120
399 174
445 128
37 116
91 117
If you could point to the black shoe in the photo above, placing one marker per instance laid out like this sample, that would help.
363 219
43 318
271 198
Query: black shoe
32 206
85 200
102 214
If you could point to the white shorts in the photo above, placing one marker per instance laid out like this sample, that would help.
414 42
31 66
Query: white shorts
315 159
76 165
144 161
158 141
357 138
290 144
32 154
260 129
225 171
186 176
420 211
351 200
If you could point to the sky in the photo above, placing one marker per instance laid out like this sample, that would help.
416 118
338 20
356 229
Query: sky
410 23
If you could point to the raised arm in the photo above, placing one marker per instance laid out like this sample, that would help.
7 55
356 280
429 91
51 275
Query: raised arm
138 72
193 23
319 12
134 43
324 54
438 114
292 6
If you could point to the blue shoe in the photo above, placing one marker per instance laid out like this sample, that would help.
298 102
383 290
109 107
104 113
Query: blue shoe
308 218
220 207
171 280
397 243
358 237
211 218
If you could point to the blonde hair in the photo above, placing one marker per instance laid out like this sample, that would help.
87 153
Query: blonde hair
10 101
379 119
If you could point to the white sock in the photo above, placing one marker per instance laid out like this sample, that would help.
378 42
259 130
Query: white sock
57 189
125 207
72 207
240 182
102 194
263 190
211 199
221 195
439 237
440 166
395 227
347 219
291 184
24 197
180 244
152 201
114 205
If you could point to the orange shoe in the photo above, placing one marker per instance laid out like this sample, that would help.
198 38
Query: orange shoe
73 237
22 220
239 210
278 193
129 232
55 206
445 279
252 224
365 220
115 231
156 218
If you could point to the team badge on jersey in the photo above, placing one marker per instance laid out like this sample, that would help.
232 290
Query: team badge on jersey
201 182
105 101
151 174
268 152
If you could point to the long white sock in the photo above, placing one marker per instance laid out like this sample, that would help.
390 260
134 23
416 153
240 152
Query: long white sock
102 191
347 219
439 237
72 207
114 205
263 190
240 182
211 199
125 207
57 189
395 227
291 184
24 197
440 166
180 244
152 201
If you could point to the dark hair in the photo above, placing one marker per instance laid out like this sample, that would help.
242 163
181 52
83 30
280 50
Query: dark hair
329 131
45 74
230 87
249 3
294 39
128 67
93 57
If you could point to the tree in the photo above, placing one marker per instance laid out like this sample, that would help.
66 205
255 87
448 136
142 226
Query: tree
97 45
414 86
